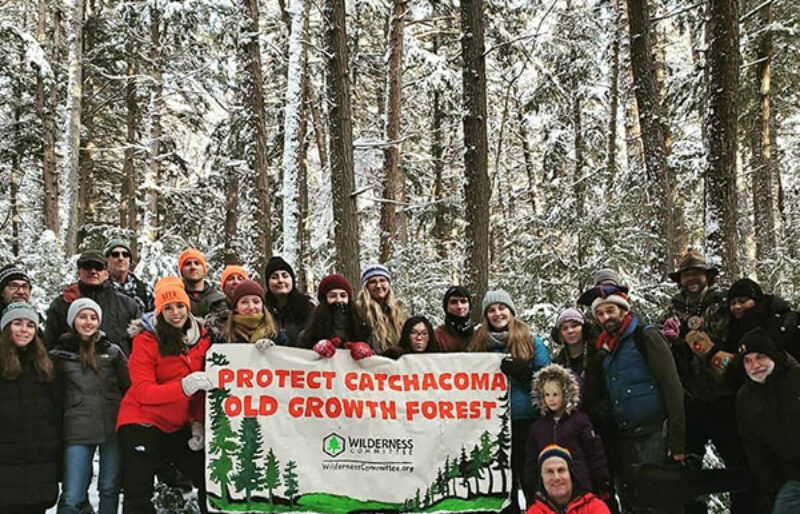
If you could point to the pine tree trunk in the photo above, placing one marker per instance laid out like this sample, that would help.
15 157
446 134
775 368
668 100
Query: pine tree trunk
304 276
16 150
249 51
611 162
527 156
633 131
658 176
476 184
127 206
440 227
340 129
45 108
394 228
156 105
762 166
73 131
87 150
720 178
579 187
231 215
293 137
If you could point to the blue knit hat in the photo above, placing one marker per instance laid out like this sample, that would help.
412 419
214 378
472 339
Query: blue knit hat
374 270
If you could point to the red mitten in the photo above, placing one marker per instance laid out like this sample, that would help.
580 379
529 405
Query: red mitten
327 347
359 351
71 293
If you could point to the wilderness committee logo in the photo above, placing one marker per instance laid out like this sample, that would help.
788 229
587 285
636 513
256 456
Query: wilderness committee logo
333 445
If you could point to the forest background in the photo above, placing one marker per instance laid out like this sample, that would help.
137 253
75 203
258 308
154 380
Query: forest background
498 143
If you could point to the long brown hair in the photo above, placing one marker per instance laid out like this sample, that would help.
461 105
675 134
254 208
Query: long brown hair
386 325
10 363
87 350
171 339
520 341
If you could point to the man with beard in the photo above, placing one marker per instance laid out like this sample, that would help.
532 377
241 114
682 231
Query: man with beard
118 309
118 253
204 297
15 286
456 332
768 412
644 392
696 317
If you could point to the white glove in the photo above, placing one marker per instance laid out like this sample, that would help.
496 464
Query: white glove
197 381
264 344
197 441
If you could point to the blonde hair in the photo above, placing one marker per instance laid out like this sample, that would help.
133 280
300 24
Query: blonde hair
386 321
520 341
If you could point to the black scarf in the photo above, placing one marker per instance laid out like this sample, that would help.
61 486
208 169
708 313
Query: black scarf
755 317
462 325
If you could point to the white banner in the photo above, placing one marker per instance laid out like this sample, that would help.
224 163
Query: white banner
289 431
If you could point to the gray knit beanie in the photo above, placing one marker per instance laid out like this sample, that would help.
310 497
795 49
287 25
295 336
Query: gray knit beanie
498 296
82 304
18 311
607 275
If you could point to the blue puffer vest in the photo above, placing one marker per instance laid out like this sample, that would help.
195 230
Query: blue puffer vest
636 399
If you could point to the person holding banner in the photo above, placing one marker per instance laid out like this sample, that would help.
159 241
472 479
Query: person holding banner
250 321
377 304
416 337
458 328
161 416
335 321
290 308
500 331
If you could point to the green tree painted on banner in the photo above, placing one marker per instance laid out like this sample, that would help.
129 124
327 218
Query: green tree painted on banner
249 474
442 484
222 446
453 474
272 475
416 501
503 445
485 457
290 481
426 501
463 471
475 467
217 359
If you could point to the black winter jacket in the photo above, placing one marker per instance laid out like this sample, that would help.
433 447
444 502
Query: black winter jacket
291 320
30 439
91 399
769 424
118 311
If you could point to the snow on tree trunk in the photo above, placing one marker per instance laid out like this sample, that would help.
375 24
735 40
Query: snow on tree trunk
45 106
127 206
73 128
720 177
340 141
476 185
394 227
292 134
153 180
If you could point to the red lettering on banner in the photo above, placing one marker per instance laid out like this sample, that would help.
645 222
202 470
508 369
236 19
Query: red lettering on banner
225 377
250 406
244 378
459 409
281 374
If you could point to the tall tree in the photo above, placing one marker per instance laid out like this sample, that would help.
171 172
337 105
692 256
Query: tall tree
340 130
720 178
127 205
611 158
659 176
294 134
156 107
73 131
476 185
394 227
252 89
45 106
762 165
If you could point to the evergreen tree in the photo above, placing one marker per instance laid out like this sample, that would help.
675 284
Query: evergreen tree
475 467
222 446
464 466
290 481
485 457
503 446
272 475
249 473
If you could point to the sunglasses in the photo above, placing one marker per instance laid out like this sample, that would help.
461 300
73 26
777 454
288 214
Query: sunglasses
92 266
118 254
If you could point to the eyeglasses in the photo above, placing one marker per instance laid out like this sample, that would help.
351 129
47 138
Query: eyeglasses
420 333
118 254
17 286
92 266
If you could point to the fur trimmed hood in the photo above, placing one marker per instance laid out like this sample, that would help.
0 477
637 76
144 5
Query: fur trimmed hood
147 323
563 377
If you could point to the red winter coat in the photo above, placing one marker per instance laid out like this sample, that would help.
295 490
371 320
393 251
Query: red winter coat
156 396
587 503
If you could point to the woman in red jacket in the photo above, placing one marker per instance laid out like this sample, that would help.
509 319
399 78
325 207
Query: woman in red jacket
161 416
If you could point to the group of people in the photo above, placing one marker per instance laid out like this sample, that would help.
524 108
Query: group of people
119 369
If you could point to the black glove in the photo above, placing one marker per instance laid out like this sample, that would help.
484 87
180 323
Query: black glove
518 369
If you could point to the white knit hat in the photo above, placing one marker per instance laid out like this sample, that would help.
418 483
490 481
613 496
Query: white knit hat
617 298
82 304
